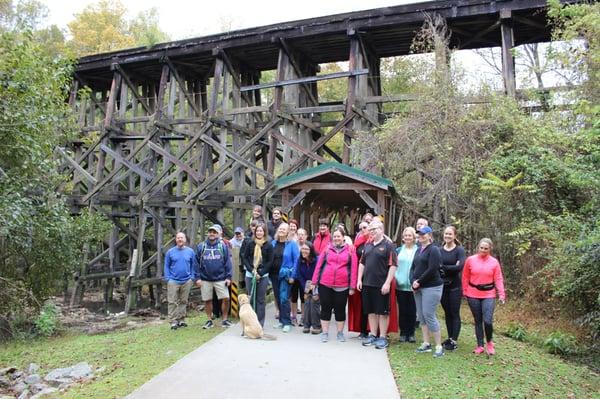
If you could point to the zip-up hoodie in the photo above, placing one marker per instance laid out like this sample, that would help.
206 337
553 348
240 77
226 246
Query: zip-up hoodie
291 253
304 271
214 261
481 270
335 272
321 242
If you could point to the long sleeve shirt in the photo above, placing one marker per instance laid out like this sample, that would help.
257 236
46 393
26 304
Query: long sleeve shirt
481 270
180 265
426 267
453 262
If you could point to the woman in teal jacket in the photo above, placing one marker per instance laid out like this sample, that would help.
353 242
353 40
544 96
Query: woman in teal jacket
407 316
289 259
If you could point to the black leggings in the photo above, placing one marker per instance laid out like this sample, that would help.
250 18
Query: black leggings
331 299
483 315
451 298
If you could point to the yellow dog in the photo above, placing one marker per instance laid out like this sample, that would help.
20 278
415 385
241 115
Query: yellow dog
251 328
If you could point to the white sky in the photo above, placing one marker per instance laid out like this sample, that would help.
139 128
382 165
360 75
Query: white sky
183 19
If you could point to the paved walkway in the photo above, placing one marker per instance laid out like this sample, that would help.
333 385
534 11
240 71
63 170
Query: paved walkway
296 364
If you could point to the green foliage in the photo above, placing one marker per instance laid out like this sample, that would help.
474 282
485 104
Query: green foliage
517 331
559 343
47 321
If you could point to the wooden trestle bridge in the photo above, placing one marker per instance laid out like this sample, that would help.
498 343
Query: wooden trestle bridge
176 135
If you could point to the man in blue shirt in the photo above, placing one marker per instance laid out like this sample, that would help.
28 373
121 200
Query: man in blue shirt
215 272
180 272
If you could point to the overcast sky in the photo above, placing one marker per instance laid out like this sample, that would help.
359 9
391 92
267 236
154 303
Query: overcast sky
182 19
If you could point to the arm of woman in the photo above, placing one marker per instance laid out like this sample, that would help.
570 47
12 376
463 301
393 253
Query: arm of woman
353 268
466 276
246 257
315 276
433 265
458 266
267 260
499 282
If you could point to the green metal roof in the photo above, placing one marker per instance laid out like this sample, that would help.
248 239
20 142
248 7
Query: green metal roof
336 167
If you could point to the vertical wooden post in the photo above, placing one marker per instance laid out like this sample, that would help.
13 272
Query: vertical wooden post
508 59
353 64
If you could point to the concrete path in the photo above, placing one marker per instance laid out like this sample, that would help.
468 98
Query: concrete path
296 364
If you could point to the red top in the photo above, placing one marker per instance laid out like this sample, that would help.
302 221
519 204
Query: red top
321 242
480 270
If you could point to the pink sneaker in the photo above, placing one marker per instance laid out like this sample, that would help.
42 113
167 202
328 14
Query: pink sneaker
478 350
489 347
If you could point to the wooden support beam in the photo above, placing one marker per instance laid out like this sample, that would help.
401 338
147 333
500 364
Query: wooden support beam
296 200
480 34
368 200
508 59
134 89
290 53
84 173
130 165
298 147
167 155
334 186
182 87
308 79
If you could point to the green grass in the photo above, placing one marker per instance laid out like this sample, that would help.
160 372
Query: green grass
130 358
519 370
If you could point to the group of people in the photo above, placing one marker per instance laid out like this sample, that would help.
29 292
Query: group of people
385 289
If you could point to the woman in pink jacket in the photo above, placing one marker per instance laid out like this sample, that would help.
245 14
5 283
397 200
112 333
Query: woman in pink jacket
481 280
335 277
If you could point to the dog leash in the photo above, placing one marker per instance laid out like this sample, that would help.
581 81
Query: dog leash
253 297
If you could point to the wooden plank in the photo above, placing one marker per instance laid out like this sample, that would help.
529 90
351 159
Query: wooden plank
84 173
368 200
296 200
247 110
334 186
320 109
508 59
134 89
366 116
182 165
130 165
182 87
298 147
308 79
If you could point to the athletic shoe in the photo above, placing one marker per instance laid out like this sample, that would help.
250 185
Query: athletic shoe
286 328
174 326
362 336
226 323
479 350
402 338
446 342
439 352
208 324
300 324
324 337
306 330
490 349
340 337
316 331
412 339
278 325
182 324
425 347
451 345
370 340
294 321
381 343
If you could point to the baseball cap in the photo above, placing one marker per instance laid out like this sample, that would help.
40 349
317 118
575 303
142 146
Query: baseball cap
216 228
424 230
238 230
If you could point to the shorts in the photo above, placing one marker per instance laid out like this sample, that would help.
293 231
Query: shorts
297 292
220 287
374 302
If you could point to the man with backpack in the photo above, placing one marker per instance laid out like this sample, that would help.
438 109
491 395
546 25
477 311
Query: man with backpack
215 270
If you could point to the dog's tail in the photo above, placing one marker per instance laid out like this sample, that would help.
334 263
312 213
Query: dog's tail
269 337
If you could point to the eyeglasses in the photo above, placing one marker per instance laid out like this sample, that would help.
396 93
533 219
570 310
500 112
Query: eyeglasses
364 227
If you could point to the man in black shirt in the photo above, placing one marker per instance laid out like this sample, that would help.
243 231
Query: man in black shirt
375 274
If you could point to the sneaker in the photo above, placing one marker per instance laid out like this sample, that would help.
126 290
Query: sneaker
446 342
362 336
300 324
381 343
182 324
316 331
278 326
479 350
208 324
294 321
226 323
324 337
306 330
174 326
402 338
490 349
287 328
425 347
439 351
412 339
340 337
370 340
450 345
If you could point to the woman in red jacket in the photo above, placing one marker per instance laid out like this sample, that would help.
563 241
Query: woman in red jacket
481 280
335 277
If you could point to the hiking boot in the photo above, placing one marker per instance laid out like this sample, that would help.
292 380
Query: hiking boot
174 326
182 324
316 331
451 345
381 343
226 323
324 337
287 328
306 330
412 339
478 350
208 324
340 337
425 347
490 349
439 351
402 338
370 340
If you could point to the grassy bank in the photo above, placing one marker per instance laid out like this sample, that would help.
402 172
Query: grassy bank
129 358
519 370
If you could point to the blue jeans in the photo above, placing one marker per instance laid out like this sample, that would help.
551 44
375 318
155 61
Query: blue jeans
284 303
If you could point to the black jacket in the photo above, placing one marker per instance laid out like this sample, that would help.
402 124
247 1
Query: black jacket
248 257
426 267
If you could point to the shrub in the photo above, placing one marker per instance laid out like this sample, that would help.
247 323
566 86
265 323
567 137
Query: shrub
47 322
560 343
517 331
